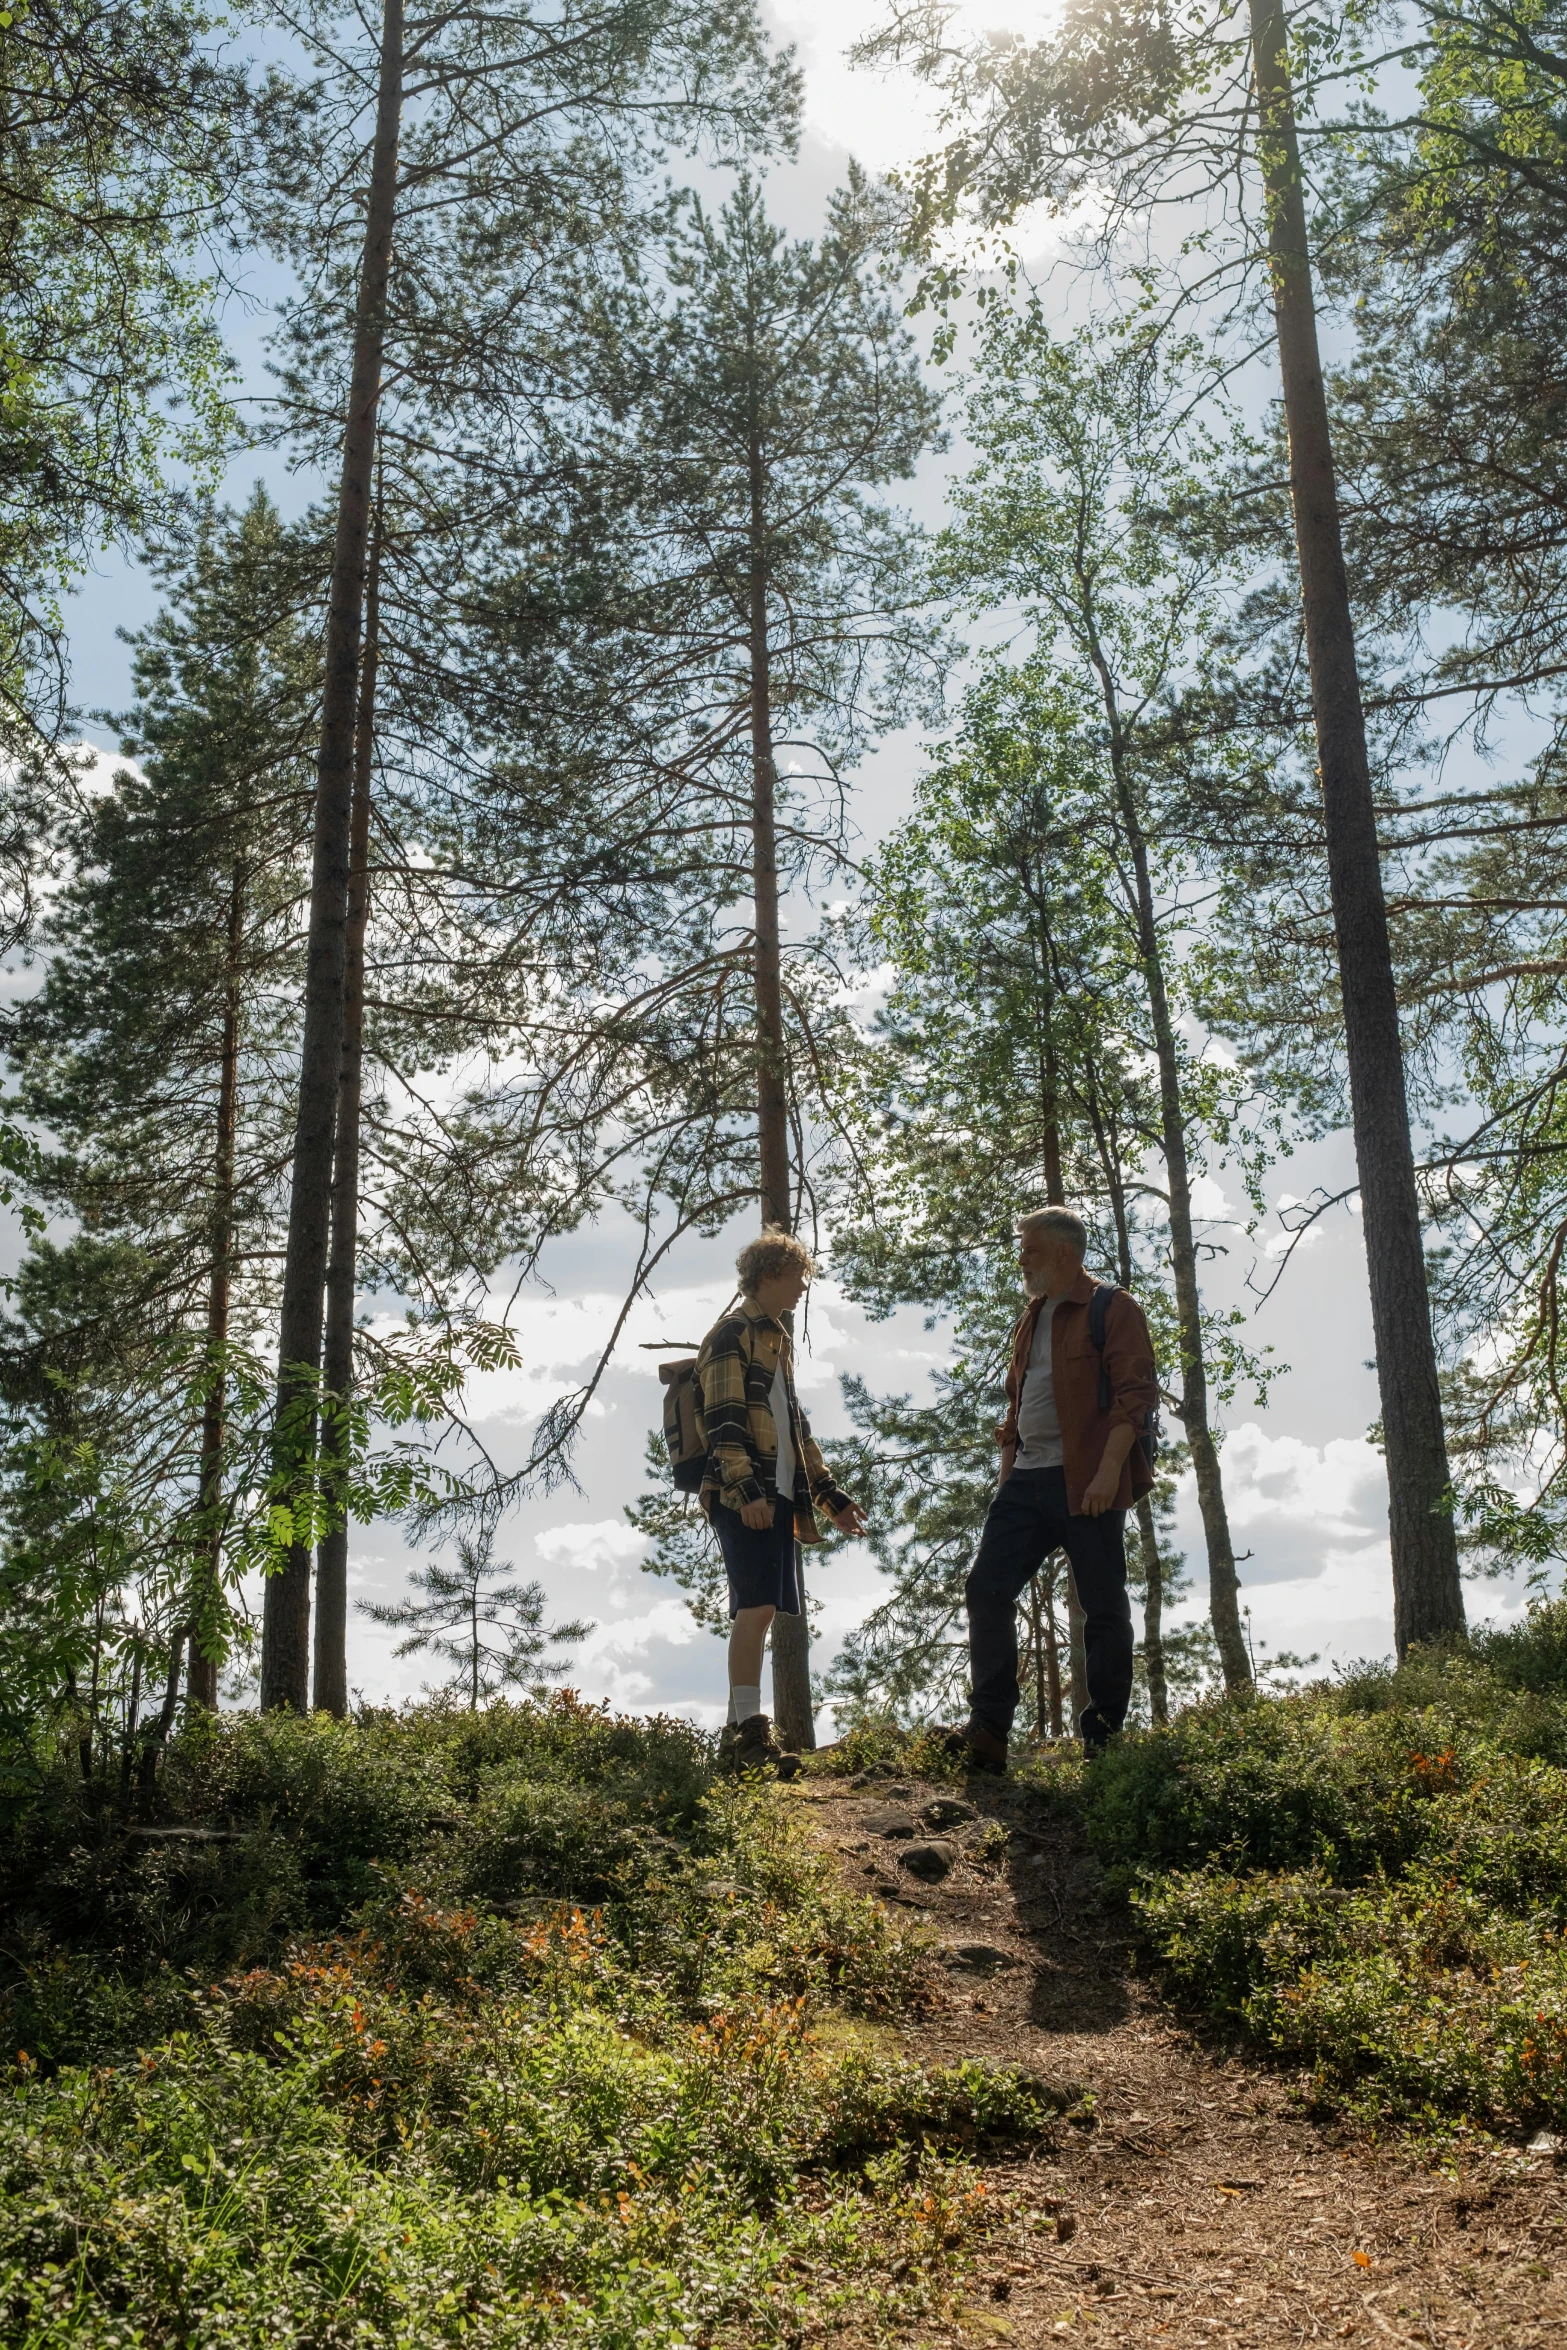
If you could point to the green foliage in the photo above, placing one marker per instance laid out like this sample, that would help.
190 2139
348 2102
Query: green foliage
494 1633
1370 1878
119 150
470 2109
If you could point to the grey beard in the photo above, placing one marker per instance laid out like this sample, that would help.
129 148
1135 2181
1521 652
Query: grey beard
1036 1285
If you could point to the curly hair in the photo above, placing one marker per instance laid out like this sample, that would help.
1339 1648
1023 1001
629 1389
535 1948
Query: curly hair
774 1253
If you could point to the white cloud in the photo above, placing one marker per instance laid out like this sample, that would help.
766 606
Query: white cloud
1299 1508
1210 1202
589 1543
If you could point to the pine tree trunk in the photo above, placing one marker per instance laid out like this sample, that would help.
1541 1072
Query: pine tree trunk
791 1635
1052 1649
771 1072
1153 1612
1148 1532
1428 1599
330 1691
1223 1582
1049 1059
1076 1619
1050 1107
202 1683
285 1644
794 1707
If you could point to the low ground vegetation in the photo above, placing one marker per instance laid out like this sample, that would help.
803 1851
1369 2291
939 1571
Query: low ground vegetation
1367 1878
1370 1878
498 2028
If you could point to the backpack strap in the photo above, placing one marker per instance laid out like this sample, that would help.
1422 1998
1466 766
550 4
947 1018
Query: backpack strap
1098 1314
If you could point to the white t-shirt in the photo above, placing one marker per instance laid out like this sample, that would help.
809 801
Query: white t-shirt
779 1402
1038 1423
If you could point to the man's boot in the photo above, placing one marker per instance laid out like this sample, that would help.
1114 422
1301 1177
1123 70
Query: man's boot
756 1749
977 1748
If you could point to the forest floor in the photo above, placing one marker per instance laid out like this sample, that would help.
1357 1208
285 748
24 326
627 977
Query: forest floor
1202 2203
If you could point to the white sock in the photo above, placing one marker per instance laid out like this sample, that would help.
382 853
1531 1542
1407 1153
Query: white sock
744 1702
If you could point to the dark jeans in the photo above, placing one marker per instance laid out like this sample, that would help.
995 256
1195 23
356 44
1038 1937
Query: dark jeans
1027 1520
759 1560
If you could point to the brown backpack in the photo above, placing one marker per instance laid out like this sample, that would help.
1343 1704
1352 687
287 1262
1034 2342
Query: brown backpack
687 1450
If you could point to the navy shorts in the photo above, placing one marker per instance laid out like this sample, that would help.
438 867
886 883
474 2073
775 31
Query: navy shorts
759 1559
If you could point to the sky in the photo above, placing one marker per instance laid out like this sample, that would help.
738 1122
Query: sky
1306 1492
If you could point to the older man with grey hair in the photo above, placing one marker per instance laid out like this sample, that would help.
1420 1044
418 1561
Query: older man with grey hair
1076 1451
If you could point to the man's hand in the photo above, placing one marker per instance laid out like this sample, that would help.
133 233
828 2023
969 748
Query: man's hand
758 1515
850 1519
1100 1491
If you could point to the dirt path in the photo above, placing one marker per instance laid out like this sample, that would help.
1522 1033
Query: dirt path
1203 2207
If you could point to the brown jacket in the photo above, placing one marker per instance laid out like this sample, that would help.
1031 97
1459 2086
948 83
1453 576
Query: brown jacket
1074 1359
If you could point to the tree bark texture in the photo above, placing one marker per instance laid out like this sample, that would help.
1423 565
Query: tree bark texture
1050 1101
285 1645
1147 1530
1427 1593
202 1680
1223 1582
1048 1647
772 1089
793 1706
1153 1612
1076 1619
329 1693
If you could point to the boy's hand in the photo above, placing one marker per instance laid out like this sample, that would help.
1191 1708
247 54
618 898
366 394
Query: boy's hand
850 1519
756 1514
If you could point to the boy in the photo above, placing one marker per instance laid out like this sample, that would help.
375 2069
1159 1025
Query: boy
763 1480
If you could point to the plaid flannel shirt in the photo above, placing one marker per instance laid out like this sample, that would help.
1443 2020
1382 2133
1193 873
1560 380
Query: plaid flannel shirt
734 1414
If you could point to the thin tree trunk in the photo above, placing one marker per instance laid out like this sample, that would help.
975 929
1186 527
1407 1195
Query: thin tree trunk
1223 1582
1076 1619
330 1691
1147 1530
1428 1599
83 1728
1050 1104
204 1639
1153 1612
152 1751
92 1693
1032 1659
794 1707
791 1636
1052 1649
285 1645
772 1094
132 1717
1042 950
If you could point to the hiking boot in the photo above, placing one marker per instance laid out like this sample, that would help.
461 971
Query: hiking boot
756 1749
976 1748
728 1740
1095 1732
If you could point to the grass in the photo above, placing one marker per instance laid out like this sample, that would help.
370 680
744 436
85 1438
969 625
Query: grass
493 2029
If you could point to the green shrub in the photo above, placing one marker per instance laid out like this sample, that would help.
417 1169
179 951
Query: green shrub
1370 1877
475 2106
1278 1783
